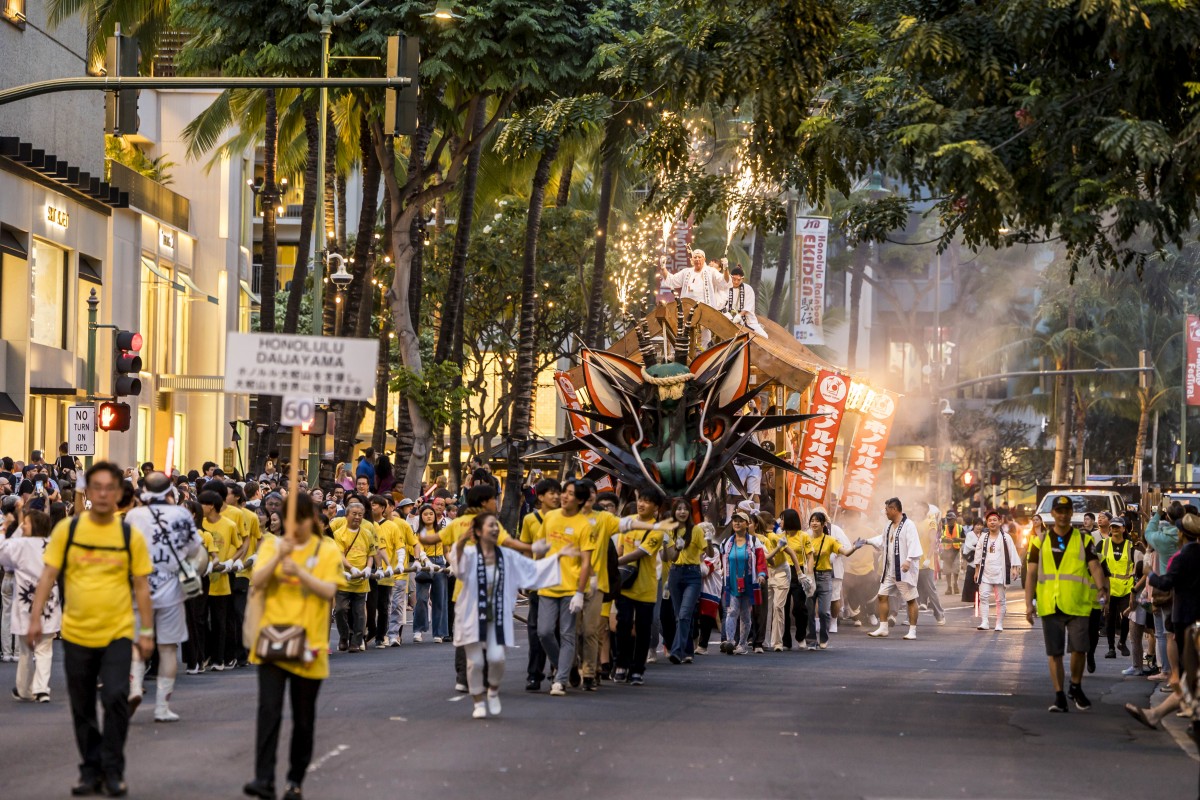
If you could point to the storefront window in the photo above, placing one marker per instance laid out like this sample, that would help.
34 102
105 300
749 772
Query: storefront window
48 269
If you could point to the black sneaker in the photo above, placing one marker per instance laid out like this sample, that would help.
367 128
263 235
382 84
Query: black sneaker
42 697
619 675
589 684
115 787
636 680
1091 663
575 679
293 792
257 788
1060 704
674 659
1123 648
533 686
1110 653
88 787
1078 697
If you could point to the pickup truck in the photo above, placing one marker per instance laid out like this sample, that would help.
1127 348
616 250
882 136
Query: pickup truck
1116 500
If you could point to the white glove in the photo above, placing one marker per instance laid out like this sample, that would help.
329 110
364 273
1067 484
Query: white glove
389 572
349 577
208 569
227 566
250 561
679 543
541 547
576 604
381 573
355 573
238 566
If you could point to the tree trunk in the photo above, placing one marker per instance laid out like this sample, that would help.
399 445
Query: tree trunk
1079 435
264 417
1139 452
343 238
331 139
308 213
452 309
382 374
525 377
594 332
1061 427
857 274
564 182
758 254
785 262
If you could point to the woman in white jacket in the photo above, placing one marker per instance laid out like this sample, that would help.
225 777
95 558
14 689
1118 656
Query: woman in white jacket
997 564
490 578
22 555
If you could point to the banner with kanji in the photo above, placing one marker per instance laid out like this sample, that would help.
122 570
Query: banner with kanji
819 446
579 425
808 287
866 455
1191 375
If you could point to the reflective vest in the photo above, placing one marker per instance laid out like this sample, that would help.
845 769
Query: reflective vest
1066 588
1120 570
952 537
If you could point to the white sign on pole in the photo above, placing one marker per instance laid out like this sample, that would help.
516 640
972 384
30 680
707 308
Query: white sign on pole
812 238
81 431
297 411
300 366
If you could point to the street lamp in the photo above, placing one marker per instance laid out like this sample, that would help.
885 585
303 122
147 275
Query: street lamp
444 11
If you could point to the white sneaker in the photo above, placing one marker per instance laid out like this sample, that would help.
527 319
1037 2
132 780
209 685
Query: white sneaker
437 640
833 625
983 626
874 620
701 651
758 649
777 648
941 620
480 711
881 632
165 715
912 633
493 702
417 638
652 659
460 687
741 651
802 646
384 644
999 627
557 690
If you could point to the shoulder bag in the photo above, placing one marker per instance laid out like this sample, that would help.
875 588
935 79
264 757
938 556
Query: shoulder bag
273 643
629 572
189 579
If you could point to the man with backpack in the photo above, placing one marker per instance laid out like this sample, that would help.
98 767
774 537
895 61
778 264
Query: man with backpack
100 557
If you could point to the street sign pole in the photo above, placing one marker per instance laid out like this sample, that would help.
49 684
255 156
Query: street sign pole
93 304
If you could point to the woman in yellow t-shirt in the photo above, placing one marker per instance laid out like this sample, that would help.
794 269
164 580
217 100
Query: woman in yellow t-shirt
195 651
222 628
824 546
299 576
685 546
796 607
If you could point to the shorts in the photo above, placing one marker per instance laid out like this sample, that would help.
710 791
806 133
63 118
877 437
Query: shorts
170 624
1063 629
907 591
836 597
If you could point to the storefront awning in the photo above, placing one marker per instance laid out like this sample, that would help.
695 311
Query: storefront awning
8 409
254 299
166 277
196 290
89 270
9 243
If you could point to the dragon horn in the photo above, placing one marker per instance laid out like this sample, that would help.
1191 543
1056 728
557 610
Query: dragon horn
649 355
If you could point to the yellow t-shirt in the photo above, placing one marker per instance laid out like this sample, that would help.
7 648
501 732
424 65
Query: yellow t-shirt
97 592
387 537
694 551
210 546
287 602
770 541
646 585
822 548
358 546
408 540
530 527
801 544
604 526
226 541
234 515
250 528
563 531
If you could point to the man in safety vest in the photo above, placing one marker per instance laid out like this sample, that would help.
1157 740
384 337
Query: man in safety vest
1067 573
951 550
1116 556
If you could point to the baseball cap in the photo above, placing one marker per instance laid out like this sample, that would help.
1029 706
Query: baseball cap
952 514
408 501
1117 522
1062 501
742 515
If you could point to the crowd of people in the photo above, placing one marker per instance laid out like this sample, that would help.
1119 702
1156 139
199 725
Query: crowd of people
221 580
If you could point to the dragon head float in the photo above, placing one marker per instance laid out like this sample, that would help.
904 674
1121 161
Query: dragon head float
674 428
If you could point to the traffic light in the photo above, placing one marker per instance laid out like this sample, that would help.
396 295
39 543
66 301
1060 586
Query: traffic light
127 363
121 105
317 425
968 478
400 105
114 416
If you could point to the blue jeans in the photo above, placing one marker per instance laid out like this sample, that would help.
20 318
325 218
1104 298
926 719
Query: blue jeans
740 609
438 595
1160 641
820 604
684 584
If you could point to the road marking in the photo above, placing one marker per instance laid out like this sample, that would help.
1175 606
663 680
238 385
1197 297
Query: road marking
398 719
968 693
456 698
320 762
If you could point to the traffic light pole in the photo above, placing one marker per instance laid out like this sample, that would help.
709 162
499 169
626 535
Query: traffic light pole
93 303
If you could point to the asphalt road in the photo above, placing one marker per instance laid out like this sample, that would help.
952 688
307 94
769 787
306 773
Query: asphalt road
958 713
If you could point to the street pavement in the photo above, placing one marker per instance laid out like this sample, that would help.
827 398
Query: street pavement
957 713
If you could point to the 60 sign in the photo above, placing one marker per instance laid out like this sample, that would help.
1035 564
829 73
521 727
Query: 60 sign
298 411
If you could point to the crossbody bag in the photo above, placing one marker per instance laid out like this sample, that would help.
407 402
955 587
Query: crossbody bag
629 572
276 643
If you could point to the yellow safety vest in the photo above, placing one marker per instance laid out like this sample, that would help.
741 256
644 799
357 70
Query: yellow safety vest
1066 588
1120 570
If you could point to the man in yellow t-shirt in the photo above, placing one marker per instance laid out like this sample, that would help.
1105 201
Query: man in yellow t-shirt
391 546
99 557
223 635
566 529
356 541
603 527
548 493
235 504
635 605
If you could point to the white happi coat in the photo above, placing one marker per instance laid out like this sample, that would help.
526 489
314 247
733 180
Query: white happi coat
742 307
910 550
520 572
707 286
22 556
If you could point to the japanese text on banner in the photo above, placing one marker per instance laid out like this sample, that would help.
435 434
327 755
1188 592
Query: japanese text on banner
812 239
820 436
866 455
1191 378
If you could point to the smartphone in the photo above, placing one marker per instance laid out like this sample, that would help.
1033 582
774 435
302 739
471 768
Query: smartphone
40 488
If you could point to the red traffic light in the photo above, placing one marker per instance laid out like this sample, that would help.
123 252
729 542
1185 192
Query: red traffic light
114 416
129 341
968 478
